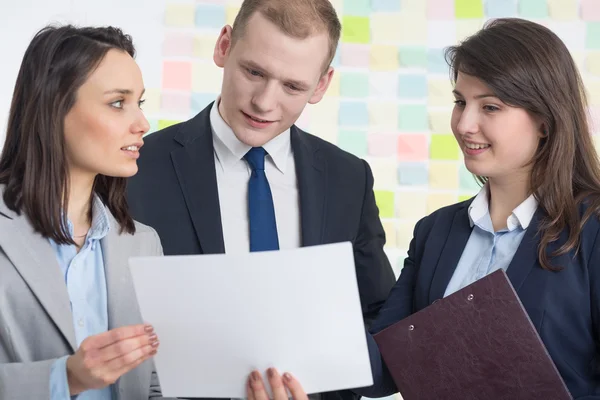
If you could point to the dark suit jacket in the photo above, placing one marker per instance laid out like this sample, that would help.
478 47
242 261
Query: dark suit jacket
563 306
176 193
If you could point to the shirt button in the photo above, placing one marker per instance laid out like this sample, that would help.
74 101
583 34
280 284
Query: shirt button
80 322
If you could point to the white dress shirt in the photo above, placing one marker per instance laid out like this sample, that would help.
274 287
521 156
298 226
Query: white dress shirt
233 174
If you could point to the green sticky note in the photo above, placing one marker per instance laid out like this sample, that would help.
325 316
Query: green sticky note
357 7
464 197
533 9
592 40
153 126
355 29
468 9
412 56
413 118
353 141
385 203
443 147
468 182
165 123
353 84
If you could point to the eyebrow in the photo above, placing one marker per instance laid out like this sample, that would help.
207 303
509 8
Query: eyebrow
253 65
480 96
124 92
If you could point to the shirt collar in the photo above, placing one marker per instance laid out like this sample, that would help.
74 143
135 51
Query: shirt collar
521 215
230 149
100 220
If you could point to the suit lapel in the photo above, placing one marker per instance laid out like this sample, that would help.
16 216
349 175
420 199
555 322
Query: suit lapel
526 255
33 256
194 165
311 175
458 235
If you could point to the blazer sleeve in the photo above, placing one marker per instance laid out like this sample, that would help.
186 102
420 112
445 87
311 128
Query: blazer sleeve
374 273
398 306
23 381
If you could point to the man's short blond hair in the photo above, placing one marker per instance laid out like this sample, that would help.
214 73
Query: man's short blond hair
296 18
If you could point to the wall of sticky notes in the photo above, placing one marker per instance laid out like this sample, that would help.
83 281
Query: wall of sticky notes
390 101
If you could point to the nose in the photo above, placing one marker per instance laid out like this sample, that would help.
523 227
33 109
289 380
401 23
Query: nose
265 98
467 120
140 124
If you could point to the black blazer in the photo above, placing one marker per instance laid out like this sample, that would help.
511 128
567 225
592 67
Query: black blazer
175 192
563 306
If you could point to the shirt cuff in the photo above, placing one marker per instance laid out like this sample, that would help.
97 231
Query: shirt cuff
59 385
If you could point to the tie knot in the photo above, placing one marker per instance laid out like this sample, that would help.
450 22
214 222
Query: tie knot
256 158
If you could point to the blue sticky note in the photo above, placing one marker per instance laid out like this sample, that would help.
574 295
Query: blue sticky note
153 126
412 56
210 16
354 113
201 100
353 141
413 117
592 40
412 86
354 84
467 180
500 8
336 59
385 5
534 9
436 62
359 8
413 174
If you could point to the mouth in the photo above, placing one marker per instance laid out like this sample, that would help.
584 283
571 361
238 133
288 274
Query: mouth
133 150
257 122
476 146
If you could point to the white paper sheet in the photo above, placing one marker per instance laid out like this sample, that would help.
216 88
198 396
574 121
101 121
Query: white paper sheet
218 317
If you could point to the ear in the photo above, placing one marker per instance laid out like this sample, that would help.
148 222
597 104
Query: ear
223 46
321 86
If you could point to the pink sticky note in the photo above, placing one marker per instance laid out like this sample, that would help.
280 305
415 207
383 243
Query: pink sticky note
412 148
590 10
178 44
176 103
382 144
177 75
440 9
355 55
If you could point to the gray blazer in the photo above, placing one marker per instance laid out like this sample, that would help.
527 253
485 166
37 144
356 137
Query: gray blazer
36 324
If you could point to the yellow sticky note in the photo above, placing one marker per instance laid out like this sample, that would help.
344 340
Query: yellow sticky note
444 147
334 86
404 233
385 203
439 122
563 10
440 93
165 123
435 201
443 175
389 227
413 28
230 13
579 56
383 115
467 27
385 28
204 46
592 64
384 173
593 91
417 7
468 9
338 5
411 205
152 101
384 58
179 15
328 133
206 77
326 112
355 29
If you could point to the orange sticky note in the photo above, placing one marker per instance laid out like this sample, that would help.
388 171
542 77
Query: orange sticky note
412 147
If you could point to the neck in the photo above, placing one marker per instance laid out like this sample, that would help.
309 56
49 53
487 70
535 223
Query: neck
80 200
504 196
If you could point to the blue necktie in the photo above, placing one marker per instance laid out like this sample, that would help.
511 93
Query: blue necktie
263 227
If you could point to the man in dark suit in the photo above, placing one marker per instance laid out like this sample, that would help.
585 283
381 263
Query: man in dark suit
240 176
